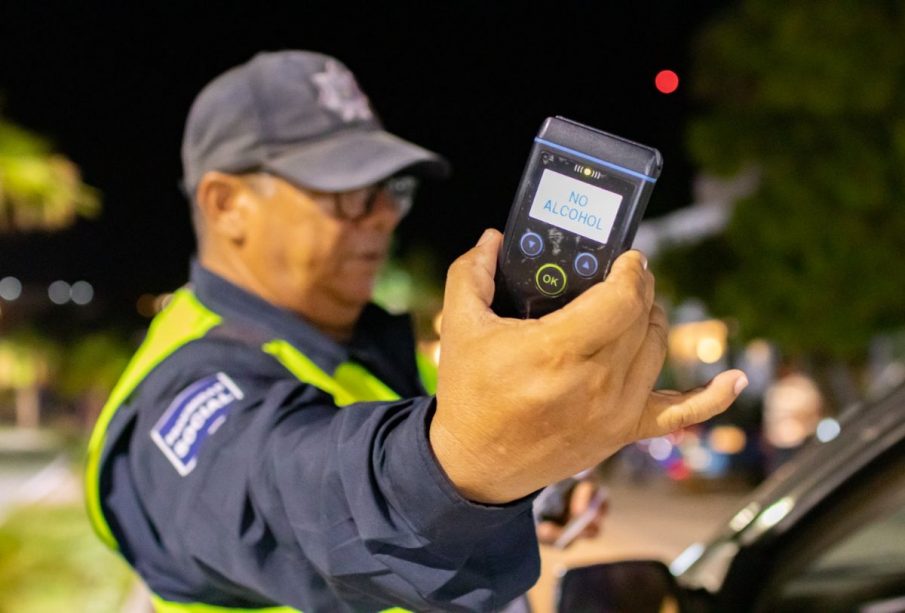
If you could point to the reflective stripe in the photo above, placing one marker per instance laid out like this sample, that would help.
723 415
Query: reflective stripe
164 606
350 382
185 319
361 385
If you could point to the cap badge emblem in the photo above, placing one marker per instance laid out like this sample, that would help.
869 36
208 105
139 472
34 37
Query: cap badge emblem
338 92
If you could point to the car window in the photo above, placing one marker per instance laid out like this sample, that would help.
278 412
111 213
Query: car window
877 545
852 557
861 572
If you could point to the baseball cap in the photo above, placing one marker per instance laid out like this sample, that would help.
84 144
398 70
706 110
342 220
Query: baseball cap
301 116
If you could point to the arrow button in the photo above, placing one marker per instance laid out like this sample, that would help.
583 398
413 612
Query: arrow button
586 264
531 244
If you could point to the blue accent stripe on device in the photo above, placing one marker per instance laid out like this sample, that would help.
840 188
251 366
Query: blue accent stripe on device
590 158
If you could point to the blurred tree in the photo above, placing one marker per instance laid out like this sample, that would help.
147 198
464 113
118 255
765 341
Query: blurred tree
412 284
811 95
39 189
91 367
26 362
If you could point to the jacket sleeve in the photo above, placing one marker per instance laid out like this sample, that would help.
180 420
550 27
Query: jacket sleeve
294 501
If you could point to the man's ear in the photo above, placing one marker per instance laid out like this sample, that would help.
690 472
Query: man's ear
223 204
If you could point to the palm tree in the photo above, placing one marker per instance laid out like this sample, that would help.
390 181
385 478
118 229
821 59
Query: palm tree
39 189
26 361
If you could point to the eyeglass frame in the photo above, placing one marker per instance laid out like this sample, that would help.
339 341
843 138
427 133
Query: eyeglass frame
401 189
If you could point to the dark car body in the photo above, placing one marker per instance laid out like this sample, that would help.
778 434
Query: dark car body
824 533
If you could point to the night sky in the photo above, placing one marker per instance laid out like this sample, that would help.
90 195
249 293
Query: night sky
111 84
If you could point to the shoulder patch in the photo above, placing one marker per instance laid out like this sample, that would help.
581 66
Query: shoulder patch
196 413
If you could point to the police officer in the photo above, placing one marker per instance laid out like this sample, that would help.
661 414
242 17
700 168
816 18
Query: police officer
271 445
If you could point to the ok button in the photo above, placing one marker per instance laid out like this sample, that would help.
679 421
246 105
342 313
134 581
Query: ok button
550 280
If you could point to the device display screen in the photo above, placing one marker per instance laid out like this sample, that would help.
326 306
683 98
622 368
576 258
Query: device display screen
574 205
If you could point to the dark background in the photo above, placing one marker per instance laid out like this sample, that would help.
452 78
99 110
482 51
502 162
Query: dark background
110 85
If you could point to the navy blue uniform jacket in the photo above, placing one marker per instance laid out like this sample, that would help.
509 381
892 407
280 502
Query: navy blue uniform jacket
291 500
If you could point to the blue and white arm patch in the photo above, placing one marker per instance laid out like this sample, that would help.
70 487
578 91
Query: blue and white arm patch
196 413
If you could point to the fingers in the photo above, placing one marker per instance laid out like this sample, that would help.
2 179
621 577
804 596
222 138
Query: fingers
648 362
581 497
631 279
469 282
580 502
548 532
606 310
668 411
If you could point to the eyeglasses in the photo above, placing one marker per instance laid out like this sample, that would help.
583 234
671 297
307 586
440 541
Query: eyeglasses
398 191
358 204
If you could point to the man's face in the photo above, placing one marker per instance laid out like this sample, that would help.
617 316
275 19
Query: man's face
307 259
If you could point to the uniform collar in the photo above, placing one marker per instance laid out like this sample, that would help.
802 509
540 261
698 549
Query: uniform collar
381 342
238 305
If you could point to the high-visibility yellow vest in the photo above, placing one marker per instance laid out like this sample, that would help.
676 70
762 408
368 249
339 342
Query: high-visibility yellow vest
185 319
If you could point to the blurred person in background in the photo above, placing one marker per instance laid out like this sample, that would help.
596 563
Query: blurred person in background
793 406
271 444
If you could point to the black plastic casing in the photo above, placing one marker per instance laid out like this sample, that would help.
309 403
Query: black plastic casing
571 149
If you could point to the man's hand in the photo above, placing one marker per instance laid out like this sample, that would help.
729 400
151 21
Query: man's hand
524 403
580 502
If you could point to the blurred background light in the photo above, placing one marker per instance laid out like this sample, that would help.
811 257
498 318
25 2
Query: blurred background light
699 340
699 459
678 470
728 439
432 350
666 81
775 513
660 449
10 288
149 305
81 293
744 517
438 322
828 429
686 559
145 305
709 350
59 292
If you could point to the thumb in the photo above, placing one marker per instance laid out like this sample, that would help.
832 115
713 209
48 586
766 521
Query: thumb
668 411
469 281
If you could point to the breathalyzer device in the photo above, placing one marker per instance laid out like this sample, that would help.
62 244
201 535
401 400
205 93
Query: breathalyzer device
577 208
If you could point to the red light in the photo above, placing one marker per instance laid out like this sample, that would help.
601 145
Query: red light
678 471
666 81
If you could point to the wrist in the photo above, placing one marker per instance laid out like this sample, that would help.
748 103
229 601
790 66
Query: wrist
470 471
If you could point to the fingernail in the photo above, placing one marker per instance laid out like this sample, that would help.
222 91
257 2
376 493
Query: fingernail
643 261
484 237
740 384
